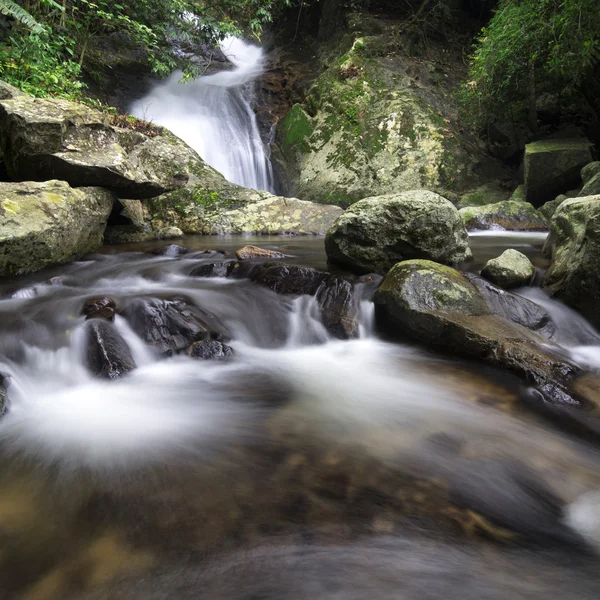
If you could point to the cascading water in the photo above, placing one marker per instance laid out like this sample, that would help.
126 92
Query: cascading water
215 116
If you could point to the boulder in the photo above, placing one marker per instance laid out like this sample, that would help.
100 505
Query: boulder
48 138
254 252
171 326
548 209
375 233
510 270
574 275
169 233
172 250
99 308
128 223
520 194
509 215
8 91
590 171
444 309
210 350
485 194
369 126
107 353
49 223
338 308
591 187
236 210
553 166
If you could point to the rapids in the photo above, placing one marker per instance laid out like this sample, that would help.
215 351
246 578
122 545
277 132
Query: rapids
303 467
215 115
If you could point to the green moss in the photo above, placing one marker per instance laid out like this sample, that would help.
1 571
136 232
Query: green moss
297 129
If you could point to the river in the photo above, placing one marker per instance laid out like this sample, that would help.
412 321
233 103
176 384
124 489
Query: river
302 467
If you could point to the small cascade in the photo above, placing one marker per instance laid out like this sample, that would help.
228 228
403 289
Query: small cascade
215 116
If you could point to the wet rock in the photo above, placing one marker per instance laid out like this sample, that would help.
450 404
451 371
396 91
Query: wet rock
289 279
338 308
99 308
107 353
574 275
442 308
553 166
216 269
49 223
172 250
510 270
509 215
171 326
3 394
253 252
210 350
375 233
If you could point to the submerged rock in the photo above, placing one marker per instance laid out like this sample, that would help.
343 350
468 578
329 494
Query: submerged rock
440 307
375 233
216 269
509 215
210 350
99 308
171 326
574 275
107 353
553 166
3 395
49 223
338 308
251 252
510 270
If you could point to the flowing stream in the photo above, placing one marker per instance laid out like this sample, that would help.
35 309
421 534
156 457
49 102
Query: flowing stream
302 467
215 115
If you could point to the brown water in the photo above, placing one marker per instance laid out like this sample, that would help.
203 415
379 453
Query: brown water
305 467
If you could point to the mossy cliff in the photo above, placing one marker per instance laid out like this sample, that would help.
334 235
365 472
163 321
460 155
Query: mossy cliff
368 127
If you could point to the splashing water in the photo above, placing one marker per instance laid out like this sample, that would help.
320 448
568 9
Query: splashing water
215 116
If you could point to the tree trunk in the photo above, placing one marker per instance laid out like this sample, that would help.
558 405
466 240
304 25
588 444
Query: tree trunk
531 97
84 48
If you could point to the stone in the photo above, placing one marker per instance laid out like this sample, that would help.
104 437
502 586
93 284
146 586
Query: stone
172 250
107 353
590 171
444 309
375 233
99 308
511 269
8 91
574 241
173 325
169 233
549 208
520 194
210 350
553 166
368 127
128 223
485 194
251 252
509 215
49 223
4 380
49 138
338 308
591 187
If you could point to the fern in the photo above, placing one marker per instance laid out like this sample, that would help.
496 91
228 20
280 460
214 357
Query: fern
50 3
12 9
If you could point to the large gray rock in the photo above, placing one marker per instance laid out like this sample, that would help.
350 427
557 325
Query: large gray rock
574 275
553 166
549 208
440 307
43 138
107 353
510 270
49 223
510 215
375 233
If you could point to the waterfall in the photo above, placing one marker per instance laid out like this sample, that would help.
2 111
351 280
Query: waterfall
214 115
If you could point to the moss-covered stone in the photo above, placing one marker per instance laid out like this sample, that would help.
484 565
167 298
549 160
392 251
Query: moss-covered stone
375 233
485 194
509 215
510 270
49 223
548 209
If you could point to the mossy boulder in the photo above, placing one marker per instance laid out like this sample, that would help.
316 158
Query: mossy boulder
367 128
485 194
49 223
442 308
590 171
591 187
375 233
574 275
510 270
44 138
553 166
508 215
548 209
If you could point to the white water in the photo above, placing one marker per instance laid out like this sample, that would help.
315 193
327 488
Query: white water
215 116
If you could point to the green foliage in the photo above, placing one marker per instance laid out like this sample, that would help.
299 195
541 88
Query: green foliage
12 9
530 47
